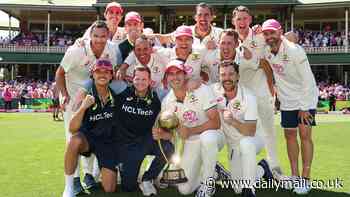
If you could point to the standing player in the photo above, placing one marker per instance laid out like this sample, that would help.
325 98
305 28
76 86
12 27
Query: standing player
55 102
133 28
227 52
205 34
94 130
113 15
199 126
258 78
70 76
238 112
183 50
143 52
298 94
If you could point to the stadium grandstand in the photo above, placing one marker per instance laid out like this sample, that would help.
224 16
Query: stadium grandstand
36 33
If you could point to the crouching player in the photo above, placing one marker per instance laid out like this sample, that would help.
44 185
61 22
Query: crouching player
238 112
199 124
93 128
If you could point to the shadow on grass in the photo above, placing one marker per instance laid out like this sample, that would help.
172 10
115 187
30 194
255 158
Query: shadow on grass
172 192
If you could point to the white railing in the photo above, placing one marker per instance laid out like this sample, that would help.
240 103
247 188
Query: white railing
58 49
32 49
334 49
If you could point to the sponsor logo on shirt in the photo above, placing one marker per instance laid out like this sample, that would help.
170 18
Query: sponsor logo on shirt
190 116
101 116
278 68
137 111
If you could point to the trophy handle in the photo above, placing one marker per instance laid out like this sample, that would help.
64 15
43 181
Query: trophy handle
163 153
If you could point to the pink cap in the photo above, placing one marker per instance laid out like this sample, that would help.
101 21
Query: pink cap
103 64
177 64
183 31
114 5
133 16
271 24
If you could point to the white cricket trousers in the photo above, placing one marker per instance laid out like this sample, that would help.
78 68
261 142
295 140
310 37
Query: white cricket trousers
266 123
200 155
243 164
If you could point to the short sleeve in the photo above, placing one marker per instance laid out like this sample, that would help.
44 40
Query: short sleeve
70 58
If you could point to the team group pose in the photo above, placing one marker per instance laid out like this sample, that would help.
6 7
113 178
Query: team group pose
221 84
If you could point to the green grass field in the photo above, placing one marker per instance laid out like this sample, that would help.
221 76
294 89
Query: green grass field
32 147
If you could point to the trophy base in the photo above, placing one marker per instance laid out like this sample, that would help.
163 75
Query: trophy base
173 177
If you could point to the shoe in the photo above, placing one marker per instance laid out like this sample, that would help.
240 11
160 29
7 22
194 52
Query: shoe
205 191
247 192
148 188
68 192
221 173
89 181
267 172
77 187
303 186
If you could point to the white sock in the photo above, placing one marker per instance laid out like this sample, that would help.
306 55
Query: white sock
96 170
69 182
87 164
259 172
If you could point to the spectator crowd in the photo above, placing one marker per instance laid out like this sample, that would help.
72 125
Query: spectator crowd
21 92
35 39
335 90
320 39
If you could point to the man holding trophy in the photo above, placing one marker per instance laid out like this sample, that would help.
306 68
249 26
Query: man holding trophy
199 128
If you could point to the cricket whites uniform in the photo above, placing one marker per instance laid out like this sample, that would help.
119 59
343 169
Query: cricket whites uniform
254 78
242 150
214 34
156 64
200 151
296 86
213 60
192 65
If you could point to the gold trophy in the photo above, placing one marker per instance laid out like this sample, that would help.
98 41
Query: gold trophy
173 174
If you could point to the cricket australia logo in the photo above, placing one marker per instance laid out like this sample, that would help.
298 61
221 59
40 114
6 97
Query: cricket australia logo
190 116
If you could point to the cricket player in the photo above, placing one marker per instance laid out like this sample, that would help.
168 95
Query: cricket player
199 128
298 94
205 34
70 76
183 50
133 28
143 52
228 51
113 15
94 130
258 78
238 111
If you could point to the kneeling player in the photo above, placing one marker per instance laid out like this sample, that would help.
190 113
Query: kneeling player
199 124
95 122
238 110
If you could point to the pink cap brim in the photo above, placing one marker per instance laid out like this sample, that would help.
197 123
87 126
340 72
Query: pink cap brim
270 28
183 34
